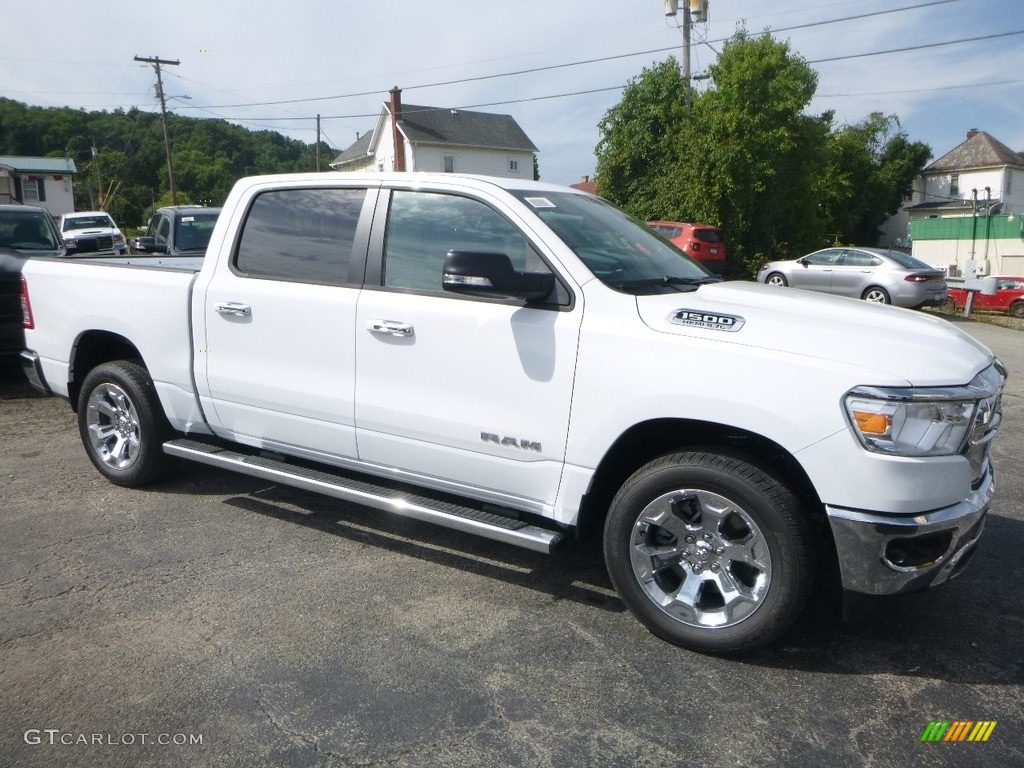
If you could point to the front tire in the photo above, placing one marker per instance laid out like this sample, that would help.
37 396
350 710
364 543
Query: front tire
777 279
122 424
1017 310
709 552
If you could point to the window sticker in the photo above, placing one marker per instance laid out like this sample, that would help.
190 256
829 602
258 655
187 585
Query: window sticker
539 202
188 218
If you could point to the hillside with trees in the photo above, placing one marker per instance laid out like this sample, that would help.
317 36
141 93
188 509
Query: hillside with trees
128 174
748 157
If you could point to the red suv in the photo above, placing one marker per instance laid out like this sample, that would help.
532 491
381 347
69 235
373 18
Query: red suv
1009 297
701 242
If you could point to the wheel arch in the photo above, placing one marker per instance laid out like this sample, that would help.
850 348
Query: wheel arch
648 440
92 348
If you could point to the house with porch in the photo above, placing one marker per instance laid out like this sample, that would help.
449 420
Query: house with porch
418 138
965 213
42 181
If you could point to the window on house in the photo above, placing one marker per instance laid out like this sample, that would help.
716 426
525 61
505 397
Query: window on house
513 165
33 189
954 184
1009 181
449 164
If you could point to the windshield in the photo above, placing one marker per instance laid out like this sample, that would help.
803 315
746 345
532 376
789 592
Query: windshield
620 251
88 222
27 232
193 230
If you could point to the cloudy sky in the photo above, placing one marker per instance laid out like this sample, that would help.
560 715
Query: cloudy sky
942 66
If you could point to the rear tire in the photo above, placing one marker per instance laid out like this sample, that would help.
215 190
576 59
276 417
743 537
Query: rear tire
122 424
709 552
876 295
1017 309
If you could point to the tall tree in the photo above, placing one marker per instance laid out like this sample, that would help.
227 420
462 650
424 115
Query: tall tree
635 151
748 157
872 166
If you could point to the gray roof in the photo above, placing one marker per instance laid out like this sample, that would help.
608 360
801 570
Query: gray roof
451 127
979 151
436 125
39 164
358 150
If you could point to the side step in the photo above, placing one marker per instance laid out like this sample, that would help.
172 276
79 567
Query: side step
466 519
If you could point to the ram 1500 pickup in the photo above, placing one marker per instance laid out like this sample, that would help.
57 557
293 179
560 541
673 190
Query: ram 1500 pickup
525 362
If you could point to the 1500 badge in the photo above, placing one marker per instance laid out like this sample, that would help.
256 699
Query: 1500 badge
710 320
511 442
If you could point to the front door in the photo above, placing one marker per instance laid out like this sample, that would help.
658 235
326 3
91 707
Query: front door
463 393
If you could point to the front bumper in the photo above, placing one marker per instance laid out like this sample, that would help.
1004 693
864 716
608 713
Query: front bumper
887 554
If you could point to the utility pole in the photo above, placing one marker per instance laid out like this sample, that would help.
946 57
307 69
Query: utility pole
156 62
318 143
99 186
693 10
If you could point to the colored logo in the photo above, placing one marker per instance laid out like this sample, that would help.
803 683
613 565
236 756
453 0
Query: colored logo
958 730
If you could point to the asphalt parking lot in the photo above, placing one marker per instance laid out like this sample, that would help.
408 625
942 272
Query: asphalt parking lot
218 620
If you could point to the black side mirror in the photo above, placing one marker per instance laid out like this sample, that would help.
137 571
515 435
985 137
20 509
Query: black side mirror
492 275
148 245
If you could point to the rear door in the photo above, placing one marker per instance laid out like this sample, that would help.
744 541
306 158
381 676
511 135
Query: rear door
854 273
463 393
278 347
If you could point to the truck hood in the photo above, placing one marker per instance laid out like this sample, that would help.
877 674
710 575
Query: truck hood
919 348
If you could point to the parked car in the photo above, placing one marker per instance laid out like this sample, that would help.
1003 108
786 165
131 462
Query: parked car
1008 298
701 242
92 232
178 230
873 274
558 371
25 230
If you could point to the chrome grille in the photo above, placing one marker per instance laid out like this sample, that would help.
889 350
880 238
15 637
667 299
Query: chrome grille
986 424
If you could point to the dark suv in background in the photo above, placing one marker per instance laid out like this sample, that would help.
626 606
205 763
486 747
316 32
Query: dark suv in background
25 231
179 230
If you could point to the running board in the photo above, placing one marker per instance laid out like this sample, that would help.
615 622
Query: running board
466 519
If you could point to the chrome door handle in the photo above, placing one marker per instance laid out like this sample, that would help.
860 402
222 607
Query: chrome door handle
233 308
389 328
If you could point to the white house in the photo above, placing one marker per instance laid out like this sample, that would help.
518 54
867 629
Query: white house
416 138
42 181
965 212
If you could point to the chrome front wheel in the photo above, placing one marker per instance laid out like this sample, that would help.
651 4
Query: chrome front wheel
709 551
701 558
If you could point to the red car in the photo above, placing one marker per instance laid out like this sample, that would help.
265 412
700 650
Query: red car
701 242
1008 298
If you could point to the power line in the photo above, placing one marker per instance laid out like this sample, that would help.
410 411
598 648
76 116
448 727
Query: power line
566 65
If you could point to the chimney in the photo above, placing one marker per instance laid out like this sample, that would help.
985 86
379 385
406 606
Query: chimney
972 133
585 179
396 135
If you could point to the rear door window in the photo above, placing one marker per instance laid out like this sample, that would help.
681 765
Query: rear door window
301 235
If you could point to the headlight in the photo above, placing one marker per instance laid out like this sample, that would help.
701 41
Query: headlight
923 421
910 428
118 238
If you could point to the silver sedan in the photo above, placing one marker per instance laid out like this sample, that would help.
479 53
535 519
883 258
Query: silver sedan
872 274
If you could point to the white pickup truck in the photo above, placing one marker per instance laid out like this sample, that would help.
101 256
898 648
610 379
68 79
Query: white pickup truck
522 361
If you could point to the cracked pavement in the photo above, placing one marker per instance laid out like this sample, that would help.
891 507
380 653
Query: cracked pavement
287 629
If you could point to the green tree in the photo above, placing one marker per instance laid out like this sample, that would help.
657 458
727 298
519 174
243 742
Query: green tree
872 166
748 158
636 152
